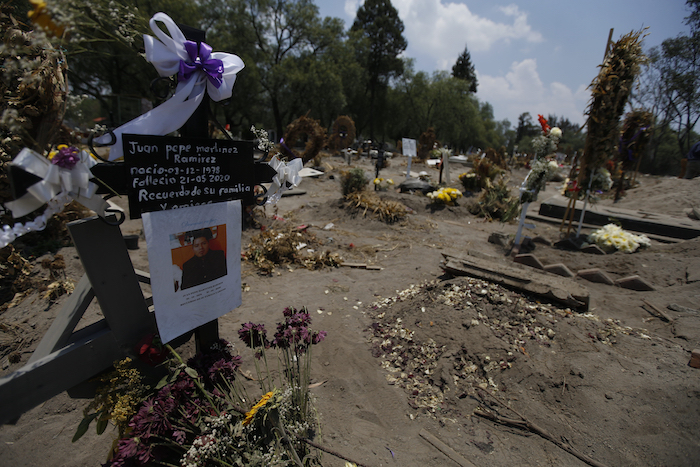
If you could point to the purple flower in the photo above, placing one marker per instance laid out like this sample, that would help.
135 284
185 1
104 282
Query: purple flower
318 337
66 157
253 335
179 436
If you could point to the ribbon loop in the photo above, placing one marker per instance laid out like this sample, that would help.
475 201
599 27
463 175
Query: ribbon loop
199 71
287 177
199 60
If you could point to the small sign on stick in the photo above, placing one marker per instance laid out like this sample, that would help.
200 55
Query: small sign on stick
409 149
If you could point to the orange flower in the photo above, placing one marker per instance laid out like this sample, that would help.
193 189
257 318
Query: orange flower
249 415
543 123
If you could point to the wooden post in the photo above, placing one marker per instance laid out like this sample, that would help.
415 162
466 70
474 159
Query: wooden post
197 127
65 359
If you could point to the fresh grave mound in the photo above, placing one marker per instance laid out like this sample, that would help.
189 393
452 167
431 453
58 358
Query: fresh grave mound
445 340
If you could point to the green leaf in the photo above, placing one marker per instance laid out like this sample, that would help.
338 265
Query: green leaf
102 425
82 428
191 372
163 381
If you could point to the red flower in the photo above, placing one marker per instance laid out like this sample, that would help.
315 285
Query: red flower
151 350
543 123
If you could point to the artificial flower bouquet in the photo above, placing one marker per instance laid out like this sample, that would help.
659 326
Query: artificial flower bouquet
383 184
611 238
541 172
446 196
601 182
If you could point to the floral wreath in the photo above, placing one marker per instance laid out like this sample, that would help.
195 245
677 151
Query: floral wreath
304 125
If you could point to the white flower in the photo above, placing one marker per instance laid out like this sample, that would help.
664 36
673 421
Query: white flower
555 132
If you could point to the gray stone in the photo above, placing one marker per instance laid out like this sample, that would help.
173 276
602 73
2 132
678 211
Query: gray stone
529 260
416 184
593 249
559 269
595 275
634 283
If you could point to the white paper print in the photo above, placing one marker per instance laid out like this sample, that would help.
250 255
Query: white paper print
195 262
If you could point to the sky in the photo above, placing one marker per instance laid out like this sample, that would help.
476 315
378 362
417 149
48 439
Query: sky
530 56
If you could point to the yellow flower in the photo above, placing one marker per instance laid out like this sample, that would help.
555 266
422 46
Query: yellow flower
249 415
43 19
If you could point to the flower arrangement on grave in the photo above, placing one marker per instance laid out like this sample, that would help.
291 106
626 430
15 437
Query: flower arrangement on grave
602 182
201 413
383 184
541 172
496 202
612 238
426 143
445 196
483 170
541 169
470 181
316 138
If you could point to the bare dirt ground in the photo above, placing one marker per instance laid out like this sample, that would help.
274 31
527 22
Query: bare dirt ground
413 352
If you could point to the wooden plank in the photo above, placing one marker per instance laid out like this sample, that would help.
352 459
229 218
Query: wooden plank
656 311
445 449
361 266
554 220
65 322
637 221
108 266
39 381
530 280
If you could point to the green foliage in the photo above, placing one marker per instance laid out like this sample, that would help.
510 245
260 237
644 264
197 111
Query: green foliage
464 69
482 174
378 23
353 181
496 202
445 103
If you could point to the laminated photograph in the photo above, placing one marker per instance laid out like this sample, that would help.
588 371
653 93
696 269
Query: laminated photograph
194 253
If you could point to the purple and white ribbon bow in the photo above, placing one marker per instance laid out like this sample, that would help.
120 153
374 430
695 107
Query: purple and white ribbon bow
199 71
200 61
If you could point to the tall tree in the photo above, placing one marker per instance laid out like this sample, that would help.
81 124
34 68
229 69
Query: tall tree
526 129
378 22
289 53
464 69
670 87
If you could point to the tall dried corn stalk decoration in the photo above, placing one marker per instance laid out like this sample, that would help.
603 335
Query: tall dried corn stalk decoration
611 90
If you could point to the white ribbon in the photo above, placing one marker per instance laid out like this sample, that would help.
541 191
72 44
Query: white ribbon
165 53
57 186
286 178
9 234
55 181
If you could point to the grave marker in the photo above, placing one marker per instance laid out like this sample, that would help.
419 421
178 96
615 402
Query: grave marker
213 171
409 149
